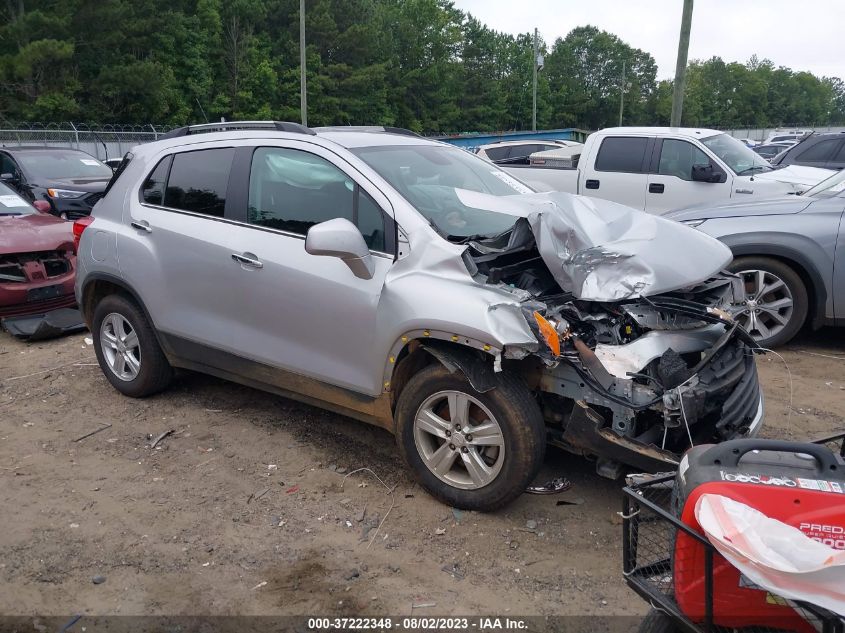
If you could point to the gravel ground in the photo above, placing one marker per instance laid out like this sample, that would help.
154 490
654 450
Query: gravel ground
252 505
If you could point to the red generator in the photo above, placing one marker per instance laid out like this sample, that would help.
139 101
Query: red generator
800 484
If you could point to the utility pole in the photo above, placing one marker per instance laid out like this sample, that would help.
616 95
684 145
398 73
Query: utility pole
534 103
303 93
681 67
622 94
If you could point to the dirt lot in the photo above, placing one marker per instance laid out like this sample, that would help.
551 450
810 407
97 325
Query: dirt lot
245 508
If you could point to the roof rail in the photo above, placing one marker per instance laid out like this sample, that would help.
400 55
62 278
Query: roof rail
227 126
367 128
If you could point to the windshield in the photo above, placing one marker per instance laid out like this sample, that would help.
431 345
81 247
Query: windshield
736 155
60 164
438 180
12 204
829 187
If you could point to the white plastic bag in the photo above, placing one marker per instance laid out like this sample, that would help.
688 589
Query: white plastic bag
773 555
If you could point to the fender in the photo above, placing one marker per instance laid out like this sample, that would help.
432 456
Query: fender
426 337
785 252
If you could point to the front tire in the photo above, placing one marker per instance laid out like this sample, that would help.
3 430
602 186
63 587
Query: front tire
471 450
776 304
127 350
657 622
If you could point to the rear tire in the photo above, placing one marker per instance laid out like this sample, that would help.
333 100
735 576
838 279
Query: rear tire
127 349
777 302
481 472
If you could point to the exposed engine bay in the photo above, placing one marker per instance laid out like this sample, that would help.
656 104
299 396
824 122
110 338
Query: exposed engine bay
630 377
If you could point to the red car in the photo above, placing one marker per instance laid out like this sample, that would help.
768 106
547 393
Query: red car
37 258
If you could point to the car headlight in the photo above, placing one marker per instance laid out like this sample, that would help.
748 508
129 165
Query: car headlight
65 193
693 223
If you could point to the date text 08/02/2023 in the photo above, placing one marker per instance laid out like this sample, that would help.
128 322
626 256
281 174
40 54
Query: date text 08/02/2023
444 624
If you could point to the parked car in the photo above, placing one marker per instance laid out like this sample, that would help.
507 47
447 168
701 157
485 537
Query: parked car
518 152
771 150
37 259
71 181
778 136
816 150
656 169
408 283
790 252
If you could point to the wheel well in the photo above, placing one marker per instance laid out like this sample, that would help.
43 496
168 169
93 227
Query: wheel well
96 291
410 360
418 354
814 309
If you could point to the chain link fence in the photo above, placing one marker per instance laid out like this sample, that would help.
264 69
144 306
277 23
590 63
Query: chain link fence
101 141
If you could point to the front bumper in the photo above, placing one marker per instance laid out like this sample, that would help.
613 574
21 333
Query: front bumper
721 401
22 298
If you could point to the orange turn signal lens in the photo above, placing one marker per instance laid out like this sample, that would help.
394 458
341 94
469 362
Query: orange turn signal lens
547 331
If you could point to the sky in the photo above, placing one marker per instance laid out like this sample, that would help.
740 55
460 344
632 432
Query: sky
802 35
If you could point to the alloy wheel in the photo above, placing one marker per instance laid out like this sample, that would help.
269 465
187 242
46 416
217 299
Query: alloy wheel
768 304
120 346
459 440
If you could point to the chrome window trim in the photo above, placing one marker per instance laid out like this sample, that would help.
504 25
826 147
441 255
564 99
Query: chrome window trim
243 224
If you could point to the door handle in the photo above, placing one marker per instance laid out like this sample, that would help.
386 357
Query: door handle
591 184
248 259
141 225
655 187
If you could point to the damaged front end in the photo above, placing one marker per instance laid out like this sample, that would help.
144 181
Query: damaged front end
638 356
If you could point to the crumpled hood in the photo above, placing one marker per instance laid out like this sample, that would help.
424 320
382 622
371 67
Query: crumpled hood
602 251
796 175
781 205
34 232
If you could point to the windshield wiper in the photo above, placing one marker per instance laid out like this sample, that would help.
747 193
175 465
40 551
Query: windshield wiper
752 168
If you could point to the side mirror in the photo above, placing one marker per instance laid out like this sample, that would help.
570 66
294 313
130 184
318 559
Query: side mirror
42 205
340 238
705 173
8 178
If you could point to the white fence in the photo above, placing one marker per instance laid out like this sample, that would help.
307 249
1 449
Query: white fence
102 141
761 134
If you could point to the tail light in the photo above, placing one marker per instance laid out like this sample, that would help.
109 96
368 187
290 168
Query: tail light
79 227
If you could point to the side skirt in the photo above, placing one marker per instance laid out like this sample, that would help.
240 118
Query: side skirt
188 354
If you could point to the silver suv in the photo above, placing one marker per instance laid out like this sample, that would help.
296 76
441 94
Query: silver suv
415 286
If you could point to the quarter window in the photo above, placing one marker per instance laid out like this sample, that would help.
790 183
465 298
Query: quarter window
291 190
152 190
623 154
678 157
7 166
198 181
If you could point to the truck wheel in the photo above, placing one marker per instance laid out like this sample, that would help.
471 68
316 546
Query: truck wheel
657 622
471 450
127 349
776 303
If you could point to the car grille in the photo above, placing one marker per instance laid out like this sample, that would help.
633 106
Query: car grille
37 307
730 390
52 264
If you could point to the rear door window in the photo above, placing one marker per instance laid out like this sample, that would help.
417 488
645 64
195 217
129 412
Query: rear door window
292 190
199 180
620 153
497 153
818 153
